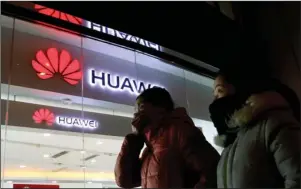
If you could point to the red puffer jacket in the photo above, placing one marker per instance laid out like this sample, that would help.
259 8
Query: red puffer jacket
177 156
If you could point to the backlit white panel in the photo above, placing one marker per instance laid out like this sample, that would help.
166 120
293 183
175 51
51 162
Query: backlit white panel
105 48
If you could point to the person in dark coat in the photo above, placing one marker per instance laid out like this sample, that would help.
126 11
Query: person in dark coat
177 154
258 124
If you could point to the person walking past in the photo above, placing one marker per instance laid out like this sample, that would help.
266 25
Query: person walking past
258 125
177 154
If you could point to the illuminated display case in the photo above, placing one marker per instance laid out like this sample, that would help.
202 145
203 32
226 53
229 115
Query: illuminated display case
67 102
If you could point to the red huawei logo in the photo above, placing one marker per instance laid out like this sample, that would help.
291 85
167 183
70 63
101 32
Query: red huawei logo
43 115
57 14
51 62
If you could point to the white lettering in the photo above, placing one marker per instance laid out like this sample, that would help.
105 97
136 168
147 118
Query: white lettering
121 35
117 83
76 122
111 31
96 27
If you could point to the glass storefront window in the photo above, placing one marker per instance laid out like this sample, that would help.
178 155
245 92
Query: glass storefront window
67 102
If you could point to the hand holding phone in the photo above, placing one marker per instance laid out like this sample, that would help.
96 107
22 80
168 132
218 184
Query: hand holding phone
139 122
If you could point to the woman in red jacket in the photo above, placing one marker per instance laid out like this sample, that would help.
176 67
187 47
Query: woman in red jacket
177 154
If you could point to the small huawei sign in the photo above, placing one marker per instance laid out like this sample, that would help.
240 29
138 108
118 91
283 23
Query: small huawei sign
44 115
52 61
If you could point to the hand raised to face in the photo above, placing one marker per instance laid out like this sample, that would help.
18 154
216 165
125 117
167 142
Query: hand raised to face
140 121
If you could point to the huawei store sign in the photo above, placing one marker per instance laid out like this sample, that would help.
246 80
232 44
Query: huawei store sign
52 62
94 26
44 115
58 14
122 35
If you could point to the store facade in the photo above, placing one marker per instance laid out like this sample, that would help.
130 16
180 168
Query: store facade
67 101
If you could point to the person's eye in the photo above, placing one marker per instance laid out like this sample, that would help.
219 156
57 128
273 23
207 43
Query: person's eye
141 107
221 91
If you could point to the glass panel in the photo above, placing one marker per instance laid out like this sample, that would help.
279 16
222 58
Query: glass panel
199 93
6 48
162 74
45 86
107 68
71 104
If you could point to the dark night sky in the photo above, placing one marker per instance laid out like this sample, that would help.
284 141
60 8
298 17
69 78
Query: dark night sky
192 28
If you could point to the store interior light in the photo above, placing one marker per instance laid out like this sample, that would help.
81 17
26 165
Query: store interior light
93 161
46 155
67 101
99 143
83 152
89 182
47 134
22 166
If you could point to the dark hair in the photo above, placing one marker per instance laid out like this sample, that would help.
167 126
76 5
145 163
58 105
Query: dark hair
157 96
245 79
286 92
253 82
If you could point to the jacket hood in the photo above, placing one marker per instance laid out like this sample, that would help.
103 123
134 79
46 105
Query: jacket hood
255 106
179 115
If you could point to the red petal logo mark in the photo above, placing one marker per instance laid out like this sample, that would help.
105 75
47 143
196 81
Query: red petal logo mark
57 14
43 115
51 62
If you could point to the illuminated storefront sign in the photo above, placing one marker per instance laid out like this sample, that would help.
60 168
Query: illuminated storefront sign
58 14
121 35
76 122
44 115
97 27
53 61
48 63
116 82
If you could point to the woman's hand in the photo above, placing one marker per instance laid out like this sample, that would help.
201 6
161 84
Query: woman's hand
140 121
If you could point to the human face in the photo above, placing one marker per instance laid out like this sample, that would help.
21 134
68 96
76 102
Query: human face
222 88
152 112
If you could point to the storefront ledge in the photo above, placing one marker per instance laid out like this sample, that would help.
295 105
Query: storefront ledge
70 175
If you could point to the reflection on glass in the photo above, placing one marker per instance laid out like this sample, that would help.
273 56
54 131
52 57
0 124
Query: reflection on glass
65 126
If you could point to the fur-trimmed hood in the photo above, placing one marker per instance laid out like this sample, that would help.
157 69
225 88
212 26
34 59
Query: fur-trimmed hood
254 107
